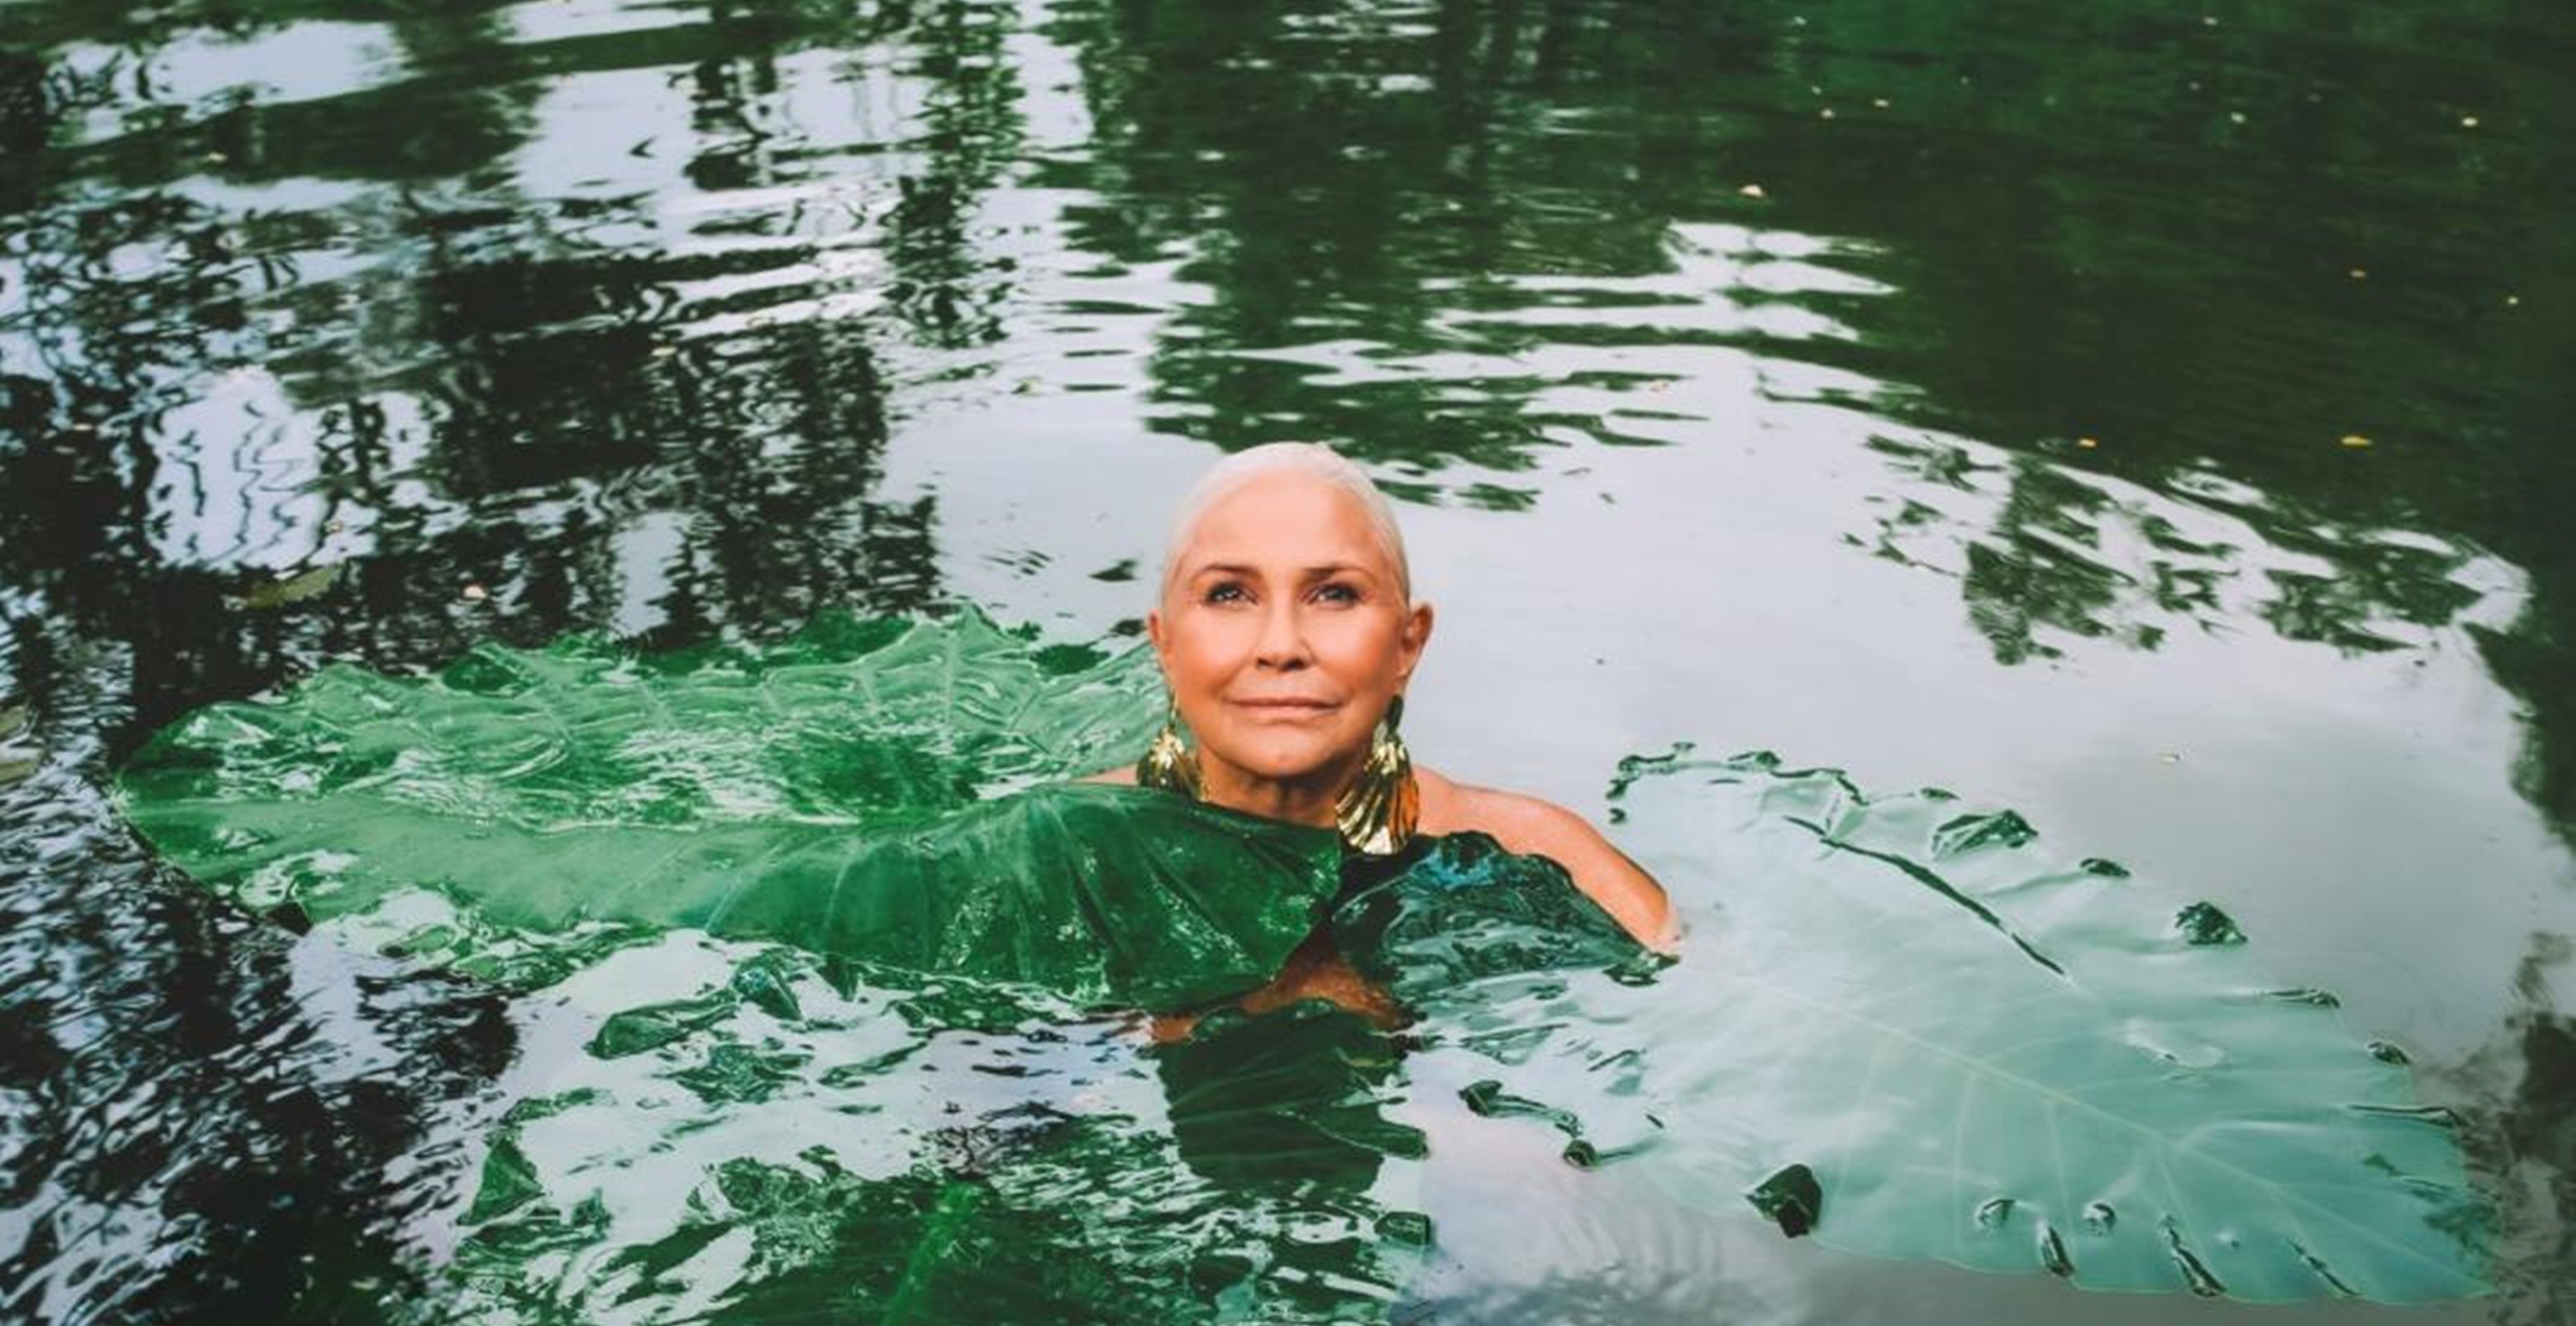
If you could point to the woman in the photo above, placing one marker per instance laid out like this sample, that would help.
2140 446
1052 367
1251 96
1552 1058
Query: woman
1287 633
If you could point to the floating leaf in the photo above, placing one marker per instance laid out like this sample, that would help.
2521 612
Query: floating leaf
1981 1056
580 786
282 591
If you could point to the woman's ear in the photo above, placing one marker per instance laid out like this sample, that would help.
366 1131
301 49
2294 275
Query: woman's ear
1162 643
1417 633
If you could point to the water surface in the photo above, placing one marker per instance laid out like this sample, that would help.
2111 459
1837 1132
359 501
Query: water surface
2152 418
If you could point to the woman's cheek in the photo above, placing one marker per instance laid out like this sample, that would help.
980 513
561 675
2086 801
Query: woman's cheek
1209 650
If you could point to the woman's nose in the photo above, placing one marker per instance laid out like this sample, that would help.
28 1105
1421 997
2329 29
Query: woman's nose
1283 637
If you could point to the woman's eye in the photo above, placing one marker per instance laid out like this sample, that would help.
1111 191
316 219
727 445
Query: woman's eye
1338 593
1228 592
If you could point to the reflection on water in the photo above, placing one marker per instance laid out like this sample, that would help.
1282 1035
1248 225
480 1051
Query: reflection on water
2151 406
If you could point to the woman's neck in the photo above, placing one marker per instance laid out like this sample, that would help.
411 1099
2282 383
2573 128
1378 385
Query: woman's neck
1310 800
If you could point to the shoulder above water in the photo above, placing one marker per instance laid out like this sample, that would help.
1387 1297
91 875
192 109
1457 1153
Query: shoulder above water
1532 827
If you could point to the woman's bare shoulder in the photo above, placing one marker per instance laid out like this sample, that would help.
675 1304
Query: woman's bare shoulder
1533 827
1125 773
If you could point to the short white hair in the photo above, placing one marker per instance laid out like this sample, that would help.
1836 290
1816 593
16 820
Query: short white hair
1314 459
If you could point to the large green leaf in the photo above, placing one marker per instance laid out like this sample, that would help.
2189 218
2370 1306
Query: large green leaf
849 720
817 791
1905 1014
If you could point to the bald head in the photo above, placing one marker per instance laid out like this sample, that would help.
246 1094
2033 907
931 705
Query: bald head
1290 463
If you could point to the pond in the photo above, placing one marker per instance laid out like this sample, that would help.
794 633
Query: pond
2151 418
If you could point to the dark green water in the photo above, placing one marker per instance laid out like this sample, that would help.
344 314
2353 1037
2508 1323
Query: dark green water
2154 418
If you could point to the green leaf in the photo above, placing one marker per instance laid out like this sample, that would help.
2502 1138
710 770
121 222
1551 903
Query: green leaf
1974 1053
817 792
287 590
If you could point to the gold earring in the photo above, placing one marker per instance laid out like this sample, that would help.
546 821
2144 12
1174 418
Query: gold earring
1168 764
1377 812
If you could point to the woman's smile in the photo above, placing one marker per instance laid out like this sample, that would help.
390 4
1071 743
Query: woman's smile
1285 710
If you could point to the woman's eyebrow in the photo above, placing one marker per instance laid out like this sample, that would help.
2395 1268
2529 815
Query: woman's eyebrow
1315 572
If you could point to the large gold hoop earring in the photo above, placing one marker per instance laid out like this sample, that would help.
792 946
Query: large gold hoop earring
1168 764
1378 811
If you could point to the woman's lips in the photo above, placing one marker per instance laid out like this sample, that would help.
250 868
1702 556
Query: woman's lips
1286 709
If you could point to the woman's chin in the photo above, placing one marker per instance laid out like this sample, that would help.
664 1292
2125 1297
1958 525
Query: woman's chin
1289 765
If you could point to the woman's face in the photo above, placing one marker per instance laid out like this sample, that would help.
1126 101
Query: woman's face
1284 633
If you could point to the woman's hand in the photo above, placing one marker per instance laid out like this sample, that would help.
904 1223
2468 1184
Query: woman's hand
1317 970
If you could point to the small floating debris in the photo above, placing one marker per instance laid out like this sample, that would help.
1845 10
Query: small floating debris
1753 191
2308 995
17 764
2359 273
291 588
2203 925
2355 441
2513 301
2468 122
2052 1253
2169 757
1826 114
2236 117
475 593
1878 103
2088 443
1791 1199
